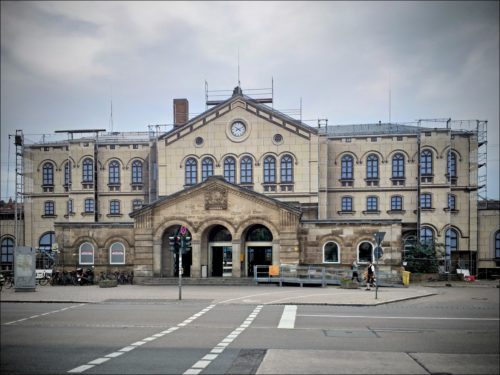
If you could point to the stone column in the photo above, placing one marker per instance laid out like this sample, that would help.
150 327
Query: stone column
195 259
236 259
276 253
157 259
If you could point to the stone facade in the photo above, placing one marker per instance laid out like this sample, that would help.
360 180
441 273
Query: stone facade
253 185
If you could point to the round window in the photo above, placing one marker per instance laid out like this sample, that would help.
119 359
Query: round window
198 141
278 138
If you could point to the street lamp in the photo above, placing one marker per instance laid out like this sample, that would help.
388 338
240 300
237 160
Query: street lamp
379 237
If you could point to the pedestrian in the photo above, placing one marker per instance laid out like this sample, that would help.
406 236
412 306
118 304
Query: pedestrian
370 276
354 268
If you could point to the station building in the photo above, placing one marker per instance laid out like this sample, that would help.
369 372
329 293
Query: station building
254 186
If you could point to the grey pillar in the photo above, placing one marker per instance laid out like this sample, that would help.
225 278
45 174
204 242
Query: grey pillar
196 259
236 259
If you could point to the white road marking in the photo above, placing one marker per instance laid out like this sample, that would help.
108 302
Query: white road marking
287 320
136 344
219 348
397 317
39 315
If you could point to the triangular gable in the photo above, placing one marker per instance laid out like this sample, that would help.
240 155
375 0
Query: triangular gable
215 190
248 104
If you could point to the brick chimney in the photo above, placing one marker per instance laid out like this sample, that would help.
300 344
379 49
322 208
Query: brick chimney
181 112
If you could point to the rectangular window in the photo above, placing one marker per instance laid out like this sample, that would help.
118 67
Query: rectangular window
426 201
346 204
49 208
452 202
348 140
396 203
372 204
89 206
135 147
114 207
69 207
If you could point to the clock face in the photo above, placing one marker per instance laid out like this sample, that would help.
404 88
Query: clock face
238 128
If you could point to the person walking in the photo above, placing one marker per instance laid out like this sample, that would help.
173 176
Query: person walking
354 268
370 278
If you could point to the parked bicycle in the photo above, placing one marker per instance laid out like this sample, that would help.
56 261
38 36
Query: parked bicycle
124 278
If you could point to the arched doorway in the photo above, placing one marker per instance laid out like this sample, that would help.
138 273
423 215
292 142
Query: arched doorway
258 248
220 252
169 259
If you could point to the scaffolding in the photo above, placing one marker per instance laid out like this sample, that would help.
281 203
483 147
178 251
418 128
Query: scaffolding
19 202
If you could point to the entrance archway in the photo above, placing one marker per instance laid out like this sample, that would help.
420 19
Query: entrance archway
169 259
220 252
258 248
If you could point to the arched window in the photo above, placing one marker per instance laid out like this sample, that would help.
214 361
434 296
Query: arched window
67 173
497 245
136 204
372 167
347 163
230 169
346 204
365 252
426 236
87 171
46 241
259 233
7 252
114 173
452 165
269 170
451 241
86 253
425 200
89 205
246 170
219 233
398 166
207 168
117 253
191 172
48 208
48 174
286 169
114 207
137 172
331 253
396 203
426 163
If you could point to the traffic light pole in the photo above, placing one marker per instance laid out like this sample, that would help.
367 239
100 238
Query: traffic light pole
180 266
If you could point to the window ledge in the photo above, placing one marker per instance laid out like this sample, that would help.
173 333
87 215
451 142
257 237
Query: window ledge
49 216
431 209
390 212
346 212
114 215
446 209
371 212
88 213
70 214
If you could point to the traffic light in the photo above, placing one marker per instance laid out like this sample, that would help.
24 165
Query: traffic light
187 243
174 242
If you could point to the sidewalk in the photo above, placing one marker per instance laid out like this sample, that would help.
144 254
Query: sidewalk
259 294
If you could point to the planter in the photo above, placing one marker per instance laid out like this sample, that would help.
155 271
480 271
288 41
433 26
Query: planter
108 283
349 284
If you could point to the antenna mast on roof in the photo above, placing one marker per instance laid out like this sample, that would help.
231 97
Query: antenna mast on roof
111 113
239 84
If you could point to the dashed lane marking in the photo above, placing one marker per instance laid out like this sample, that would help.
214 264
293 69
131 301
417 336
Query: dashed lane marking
137 344
44 314
200 365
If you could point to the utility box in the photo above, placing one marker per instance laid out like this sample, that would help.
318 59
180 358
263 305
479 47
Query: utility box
24 268
204 271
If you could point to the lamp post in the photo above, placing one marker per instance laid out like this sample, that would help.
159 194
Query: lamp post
379 237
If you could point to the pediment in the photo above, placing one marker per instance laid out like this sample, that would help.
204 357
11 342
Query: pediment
215 196
245 103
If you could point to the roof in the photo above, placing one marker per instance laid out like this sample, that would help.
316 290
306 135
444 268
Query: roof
237 94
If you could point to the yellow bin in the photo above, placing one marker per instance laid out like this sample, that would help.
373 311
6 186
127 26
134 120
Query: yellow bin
406 278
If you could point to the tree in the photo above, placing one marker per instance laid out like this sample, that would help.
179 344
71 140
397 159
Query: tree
423 258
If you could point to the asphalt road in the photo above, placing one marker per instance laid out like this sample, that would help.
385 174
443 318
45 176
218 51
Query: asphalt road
454 332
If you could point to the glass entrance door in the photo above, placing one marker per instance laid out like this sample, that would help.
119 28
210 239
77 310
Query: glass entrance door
221 260
258 256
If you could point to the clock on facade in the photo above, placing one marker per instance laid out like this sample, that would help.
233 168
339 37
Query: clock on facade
238 128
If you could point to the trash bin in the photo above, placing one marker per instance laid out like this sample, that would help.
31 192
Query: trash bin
406 278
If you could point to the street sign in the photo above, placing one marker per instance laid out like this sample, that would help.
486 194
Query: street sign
379 237
379 252
183 230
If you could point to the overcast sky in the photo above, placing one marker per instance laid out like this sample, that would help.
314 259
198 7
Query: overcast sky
62 62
